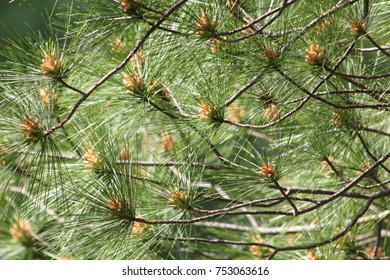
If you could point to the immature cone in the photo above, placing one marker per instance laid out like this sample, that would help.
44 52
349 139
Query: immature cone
115 206
206 111
134 82
256 250
118 46
270 54
125 154
178 199
271 112
138 228
50 64
168 141
267 170
358 27
128 6
311 256
205 24
31 128
314 54
138 59
92 160
235 113
325 166
21 232
325 26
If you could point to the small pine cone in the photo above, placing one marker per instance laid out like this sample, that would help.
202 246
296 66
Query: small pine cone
206 111
267 170
178 199
125 154
358 27
31 128
257 250
325 26
118 46
311 256
115 206
270 54
314 54
168 141
129 6
271 112
205 24
217 46
92 160
50 64
21 232
338 120
235 113
134 82
139 59
138 228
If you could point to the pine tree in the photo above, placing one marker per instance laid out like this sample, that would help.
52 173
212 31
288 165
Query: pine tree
182 129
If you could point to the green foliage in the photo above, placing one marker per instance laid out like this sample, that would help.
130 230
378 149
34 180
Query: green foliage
187 129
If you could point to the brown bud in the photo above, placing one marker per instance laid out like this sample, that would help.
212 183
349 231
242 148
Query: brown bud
50 64
178 199
134 82
168 141
205 24
31 128
206 111
271 112
267 170
235 113
21 232
358 27
92 160
270 54
314 54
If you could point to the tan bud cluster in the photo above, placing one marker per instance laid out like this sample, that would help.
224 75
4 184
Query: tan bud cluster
235 113
267 170
358 27
168 141
370 252
178 198
271 112
21 232
337 119
138 228
92 160
128 6
125 154
115 206
205 24
270 54
206 111
257 250
118 46
48 96
325 26
31 128
216 45
314 54
311 256
134 81
138 59
325 167
50 64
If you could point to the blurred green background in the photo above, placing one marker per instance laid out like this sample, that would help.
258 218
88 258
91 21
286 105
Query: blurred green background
24 16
